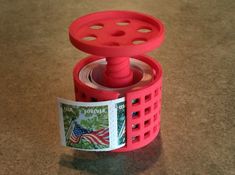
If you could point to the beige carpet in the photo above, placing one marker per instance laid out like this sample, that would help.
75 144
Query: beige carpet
36 61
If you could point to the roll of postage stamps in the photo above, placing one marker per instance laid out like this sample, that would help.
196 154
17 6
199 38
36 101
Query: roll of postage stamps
92 126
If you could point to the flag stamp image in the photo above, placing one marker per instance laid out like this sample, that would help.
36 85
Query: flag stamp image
86 127
90 126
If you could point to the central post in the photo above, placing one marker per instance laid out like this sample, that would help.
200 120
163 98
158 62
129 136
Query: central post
118 72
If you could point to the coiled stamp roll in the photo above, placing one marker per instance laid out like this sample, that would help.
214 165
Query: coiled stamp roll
90 75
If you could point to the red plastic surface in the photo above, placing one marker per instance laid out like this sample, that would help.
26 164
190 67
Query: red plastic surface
116 33
143 106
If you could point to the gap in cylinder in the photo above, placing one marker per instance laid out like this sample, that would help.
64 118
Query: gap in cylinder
118 72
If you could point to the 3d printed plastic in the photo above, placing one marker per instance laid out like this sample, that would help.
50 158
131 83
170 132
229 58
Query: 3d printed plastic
118 67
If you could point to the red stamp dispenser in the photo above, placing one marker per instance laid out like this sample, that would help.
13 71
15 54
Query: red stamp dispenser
120 39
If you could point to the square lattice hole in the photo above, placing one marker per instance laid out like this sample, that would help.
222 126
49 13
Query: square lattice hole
135 102
147 110
135 114
147 123
135 127
135 139
155 105
156 92
147 134
155 117
147 97
155 128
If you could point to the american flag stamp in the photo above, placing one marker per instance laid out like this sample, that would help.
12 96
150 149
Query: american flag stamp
92 126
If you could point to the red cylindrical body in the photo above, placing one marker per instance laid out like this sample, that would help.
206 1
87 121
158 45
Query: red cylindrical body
145 103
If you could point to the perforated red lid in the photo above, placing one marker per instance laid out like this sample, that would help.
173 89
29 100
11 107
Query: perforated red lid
116 33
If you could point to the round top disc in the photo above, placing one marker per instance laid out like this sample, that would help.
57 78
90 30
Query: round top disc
116 33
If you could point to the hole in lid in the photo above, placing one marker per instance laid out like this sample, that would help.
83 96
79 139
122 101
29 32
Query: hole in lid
97 26
112 44
89 38
144 30
139 41
118 33
123 23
